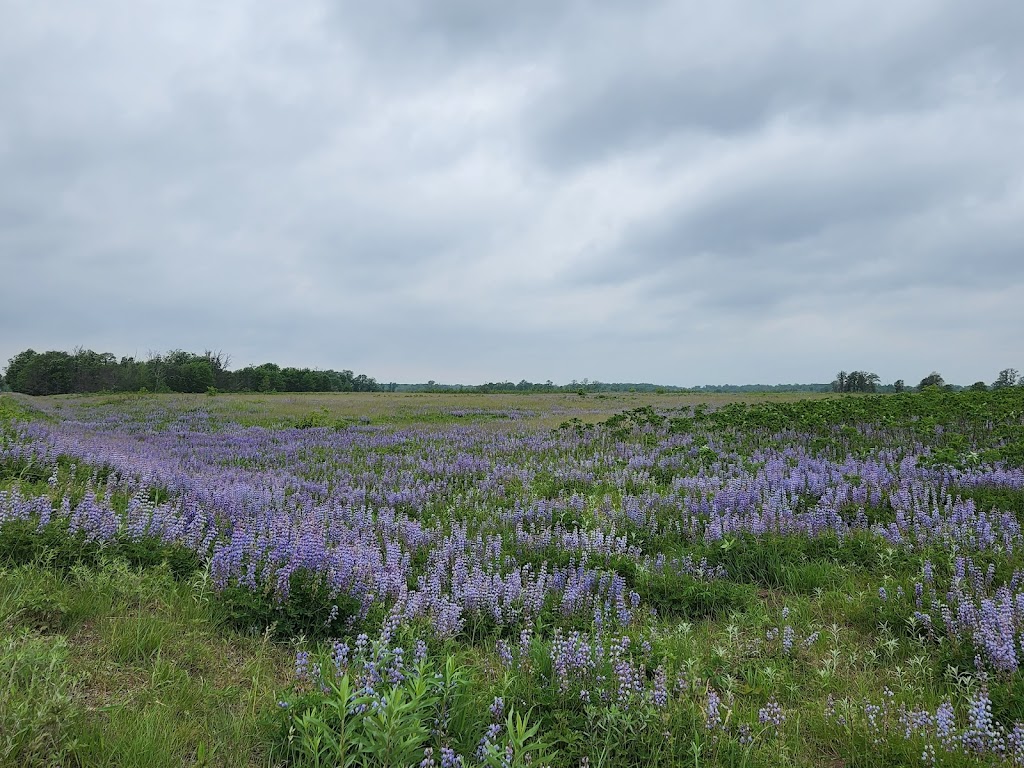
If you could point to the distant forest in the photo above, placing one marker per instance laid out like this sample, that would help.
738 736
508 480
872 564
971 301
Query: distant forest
58 373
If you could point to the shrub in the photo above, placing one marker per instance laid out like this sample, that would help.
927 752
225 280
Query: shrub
310 610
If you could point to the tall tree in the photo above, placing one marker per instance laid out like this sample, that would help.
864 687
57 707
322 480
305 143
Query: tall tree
855 381
1008 377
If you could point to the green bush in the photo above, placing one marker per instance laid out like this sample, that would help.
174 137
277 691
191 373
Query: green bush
333 720
793 563
679 596
21 542
310 610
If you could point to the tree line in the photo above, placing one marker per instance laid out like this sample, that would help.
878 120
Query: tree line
865 381
83 370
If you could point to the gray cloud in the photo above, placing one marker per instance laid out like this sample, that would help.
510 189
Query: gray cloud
460 191
736 69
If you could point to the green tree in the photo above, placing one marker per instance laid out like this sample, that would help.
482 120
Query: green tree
48 373
1008 377
93 371
855 381
186 372
933 379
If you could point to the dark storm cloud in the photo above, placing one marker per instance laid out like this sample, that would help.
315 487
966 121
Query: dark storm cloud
456 190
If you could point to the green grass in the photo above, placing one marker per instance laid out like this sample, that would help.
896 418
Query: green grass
113 665
38 717
399 409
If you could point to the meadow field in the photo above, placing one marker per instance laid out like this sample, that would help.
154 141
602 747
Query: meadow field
600 581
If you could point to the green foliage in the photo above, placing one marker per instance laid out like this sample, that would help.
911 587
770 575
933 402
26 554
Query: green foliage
33 373
679 596
855 381
331 721
1007 695
310 610
12 409
796 564
57 372
134 638
140 676
990 497
520 747
21 542
316 419
40 604
342 727
1008 377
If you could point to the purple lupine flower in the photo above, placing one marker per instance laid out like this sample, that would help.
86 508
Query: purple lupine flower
489 738
945 723
419 652
497 708
659 693
504 653
340 656
982 734
302 665
787 639
771 714
449 759
712 710
1015 743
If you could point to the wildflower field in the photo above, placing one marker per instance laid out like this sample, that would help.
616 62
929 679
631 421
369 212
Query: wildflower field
477 580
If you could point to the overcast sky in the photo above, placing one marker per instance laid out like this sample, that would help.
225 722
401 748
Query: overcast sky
465 191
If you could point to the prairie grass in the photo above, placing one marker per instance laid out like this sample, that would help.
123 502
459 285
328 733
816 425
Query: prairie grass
112 665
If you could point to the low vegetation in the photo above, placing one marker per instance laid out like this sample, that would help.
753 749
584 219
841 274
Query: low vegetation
430 581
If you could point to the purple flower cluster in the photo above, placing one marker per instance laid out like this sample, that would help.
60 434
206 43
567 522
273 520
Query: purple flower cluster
771 714
607 669
975 610
942 732
785 636
462 526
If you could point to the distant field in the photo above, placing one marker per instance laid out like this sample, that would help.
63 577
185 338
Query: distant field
617 580
407 408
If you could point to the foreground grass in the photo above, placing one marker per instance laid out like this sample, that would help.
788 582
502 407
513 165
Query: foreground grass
111 665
